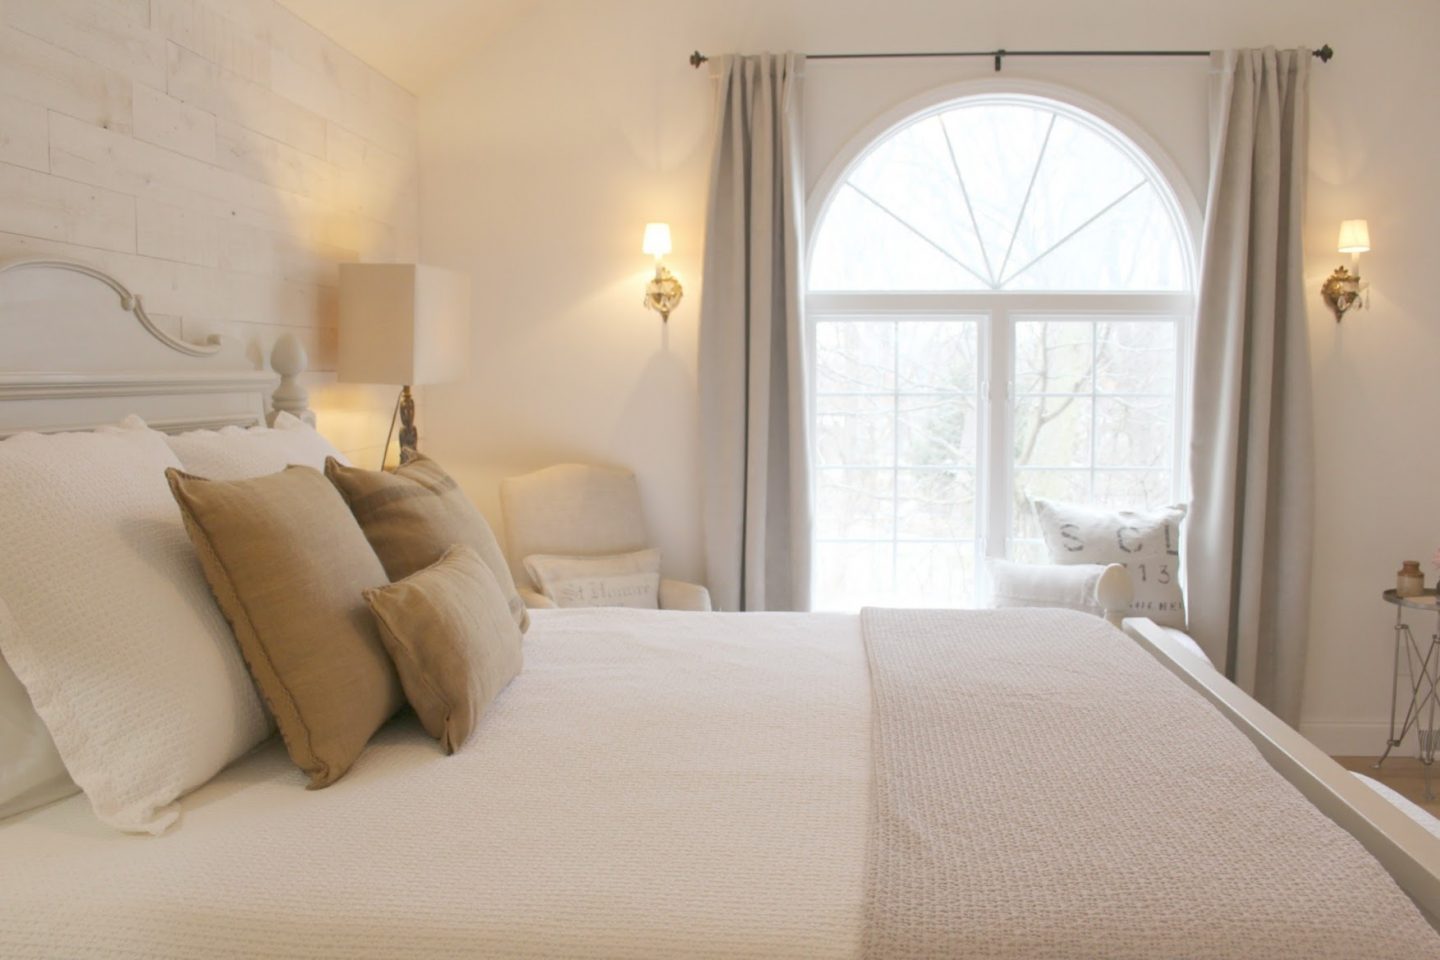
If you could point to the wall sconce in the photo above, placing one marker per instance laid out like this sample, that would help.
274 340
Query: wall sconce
1343 290
664 292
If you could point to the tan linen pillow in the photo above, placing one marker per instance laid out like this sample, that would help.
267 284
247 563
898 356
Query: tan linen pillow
413 515
449 630
620 580
288 565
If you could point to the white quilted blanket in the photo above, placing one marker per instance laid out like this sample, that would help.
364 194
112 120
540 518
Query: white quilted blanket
651 785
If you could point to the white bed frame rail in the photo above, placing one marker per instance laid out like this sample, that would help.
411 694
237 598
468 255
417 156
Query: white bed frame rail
79 351
1409 852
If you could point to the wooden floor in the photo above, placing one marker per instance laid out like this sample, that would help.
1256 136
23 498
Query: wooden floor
1404 775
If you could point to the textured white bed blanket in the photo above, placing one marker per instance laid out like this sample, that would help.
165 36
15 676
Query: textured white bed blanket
667 785
651 785
1045 789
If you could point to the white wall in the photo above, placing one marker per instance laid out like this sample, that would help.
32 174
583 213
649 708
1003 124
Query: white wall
220 157
542 158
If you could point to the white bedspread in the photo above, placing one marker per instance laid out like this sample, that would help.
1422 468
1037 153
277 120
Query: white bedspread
652 784
657 785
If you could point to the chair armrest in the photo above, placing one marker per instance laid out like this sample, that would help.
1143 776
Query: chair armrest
536 601
679 595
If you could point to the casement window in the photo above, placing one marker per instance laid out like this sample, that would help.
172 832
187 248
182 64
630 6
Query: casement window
999 299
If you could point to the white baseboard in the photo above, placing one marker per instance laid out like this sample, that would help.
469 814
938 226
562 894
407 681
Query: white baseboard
1354 738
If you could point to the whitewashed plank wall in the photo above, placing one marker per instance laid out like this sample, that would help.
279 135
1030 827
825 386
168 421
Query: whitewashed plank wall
220 157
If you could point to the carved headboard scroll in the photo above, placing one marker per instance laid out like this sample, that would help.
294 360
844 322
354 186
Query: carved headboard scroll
78 350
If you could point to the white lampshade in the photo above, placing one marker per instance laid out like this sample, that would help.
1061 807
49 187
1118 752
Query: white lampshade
403 324
657 239
1354 236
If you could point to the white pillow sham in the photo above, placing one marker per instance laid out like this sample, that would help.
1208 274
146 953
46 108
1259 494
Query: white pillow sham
1146 542
235 453
111 627
31 771
621 580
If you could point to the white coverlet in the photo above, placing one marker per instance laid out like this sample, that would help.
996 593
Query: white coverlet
663 785
1046 790
652 785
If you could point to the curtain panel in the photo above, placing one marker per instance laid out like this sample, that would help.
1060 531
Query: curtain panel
1252 464
753 362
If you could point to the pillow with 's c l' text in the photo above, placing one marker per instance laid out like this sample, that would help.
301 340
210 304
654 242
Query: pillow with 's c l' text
1146 542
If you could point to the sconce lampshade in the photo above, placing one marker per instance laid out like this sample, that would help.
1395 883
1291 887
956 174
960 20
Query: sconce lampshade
403 324
1354 236
657 239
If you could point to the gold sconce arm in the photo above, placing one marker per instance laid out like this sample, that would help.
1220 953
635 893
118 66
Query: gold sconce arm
663 293
1342 290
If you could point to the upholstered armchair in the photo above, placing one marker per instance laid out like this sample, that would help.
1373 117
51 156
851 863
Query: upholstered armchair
579 510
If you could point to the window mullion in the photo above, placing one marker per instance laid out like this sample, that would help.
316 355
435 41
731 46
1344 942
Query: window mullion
998 466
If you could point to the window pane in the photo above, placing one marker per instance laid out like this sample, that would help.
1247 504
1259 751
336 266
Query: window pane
936 504
1132 489
1053 356
854 504
855 355
938 355
1015 195
934 574
849 576
911 176
1134 432
1135 356
1052 431
937 431
855 431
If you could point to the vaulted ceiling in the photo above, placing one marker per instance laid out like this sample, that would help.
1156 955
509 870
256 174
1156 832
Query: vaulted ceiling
413 42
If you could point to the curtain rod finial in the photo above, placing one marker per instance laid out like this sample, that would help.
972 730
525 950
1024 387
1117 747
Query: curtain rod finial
1325 53
698 58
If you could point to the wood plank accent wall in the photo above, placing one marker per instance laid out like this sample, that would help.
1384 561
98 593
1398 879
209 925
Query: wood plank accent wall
220 157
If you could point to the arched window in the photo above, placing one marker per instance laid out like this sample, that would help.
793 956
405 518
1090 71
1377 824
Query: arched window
999 293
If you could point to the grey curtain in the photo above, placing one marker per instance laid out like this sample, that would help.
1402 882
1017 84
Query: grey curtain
753 369
1249 537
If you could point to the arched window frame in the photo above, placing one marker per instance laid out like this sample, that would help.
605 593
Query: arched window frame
998 310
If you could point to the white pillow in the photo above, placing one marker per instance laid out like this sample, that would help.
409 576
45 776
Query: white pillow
1069 586
623 580
31 772
1146 542
235 453
111 626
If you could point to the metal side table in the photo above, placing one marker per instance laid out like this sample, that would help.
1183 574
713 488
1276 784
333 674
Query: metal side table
1423 664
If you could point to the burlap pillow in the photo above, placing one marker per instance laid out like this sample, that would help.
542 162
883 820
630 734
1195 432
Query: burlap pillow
288 566
454 642
413 515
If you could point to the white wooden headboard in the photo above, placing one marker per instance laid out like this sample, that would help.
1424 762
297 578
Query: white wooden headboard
78 351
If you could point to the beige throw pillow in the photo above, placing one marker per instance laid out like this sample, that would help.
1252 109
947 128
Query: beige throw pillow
622 580
288 565
449 630
413 515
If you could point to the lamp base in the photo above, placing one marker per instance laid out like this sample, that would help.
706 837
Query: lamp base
409 436
1342 291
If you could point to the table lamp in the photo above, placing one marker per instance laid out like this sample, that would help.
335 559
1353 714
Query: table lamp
403 324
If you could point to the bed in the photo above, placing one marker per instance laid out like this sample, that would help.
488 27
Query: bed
893 784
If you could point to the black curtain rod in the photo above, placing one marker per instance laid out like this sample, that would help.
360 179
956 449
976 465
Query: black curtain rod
1324 54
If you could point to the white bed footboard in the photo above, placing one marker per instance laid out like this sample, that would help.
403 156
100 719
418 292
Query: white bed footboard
1403 847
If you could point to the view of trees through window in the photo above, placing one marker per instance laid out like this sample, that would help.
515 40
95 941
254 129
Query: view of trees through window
998 297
